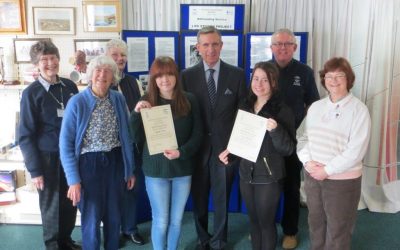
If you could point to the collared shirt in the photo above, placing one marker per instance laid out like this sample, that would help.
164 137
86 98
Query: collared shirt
102 132
56 90
216 67
46 85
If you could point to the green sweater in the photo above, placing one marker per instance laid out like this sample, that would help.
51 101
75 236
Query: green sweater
189 133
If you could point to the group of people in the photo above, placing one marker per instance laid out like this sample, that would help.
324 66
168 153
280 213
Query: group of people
89 149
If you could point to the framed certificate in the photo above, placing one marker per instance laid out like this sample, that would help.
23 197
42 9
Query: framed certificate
159 129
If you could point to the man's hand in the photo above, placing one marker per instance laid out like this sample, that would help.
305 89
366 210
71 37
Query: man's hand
223 156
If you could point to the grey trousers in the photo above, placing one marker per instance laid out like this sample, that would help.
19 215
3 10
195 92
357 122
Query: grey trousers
58 214
332 206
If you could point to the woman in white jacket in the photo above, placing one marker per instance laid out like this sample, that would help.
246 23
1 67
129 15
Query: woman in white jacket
332 148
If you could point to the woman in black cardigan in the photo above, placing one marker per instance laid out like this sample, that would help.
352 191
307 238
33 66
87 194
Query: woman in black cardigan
261 182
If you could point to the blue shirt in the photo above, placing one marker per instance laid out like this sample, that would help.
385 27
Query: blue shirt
216 72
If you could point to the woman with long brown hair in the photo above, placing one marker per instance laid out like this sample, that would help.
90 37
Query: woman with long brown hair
261 181
168 175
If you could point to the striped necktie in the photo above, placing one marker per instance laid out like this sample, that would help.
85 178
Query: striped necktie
212 91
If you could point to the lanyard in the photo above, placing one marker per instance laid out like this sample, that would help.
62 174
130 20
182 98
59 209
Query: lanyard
61 103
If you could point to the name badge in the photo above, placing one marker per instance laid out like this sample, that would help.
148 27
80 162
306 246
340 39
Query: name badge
60 112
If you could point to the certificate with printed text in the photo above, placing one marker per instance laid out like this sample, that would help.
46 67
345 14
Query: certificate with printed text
247 135
159 129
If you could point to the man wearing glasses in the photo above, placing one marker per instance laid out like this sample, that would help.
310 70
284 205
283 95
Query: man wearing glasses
297 84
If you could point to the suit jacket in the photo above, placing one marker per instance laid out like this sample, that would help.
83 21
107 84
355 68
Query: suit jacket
218 123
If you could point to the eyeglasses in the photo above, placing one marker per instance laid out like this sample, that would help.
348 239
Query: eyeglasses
334 77
280 45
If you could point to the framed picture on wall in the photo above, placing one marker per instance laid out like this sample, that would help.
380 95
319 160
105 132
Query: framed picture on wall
22 46
54 21
91 47
12 16
102 16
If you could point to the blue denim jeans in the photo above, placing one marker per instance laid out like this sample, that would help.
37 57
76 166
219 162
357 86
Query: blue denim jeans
168 198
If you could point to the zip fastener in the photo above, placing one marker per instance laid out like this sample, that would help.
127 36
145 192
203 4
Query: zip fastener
251 173
267 166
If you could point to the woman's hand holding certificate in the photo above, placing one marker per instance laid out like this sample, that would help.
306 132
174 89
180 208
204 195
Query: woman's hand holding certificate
159 128
247 135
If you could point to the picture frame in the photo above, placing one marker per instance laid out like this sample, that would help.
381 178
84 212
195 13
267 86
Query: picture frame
22 46
12 17
54 20
101 16
91 47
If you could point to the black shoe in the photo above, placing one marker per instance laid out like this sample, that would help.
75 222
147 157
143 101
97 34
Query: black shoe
70 245
136 238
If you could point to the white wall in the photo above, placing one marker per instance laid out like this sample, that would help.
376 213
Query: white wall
65 43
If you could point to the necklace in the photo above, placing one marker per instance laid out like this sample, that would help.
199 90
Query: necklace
61 103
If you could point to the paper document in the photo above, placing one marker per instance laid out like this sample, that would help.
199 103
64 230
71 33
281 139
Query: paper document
159 129
247 135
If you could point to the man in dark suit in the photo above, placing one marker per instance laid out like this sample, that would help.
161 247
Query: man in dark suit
218 87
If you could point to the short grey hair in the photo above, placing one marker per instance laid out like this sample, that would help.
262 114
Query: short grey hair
43 47
284 31
102 61
116 43
208 30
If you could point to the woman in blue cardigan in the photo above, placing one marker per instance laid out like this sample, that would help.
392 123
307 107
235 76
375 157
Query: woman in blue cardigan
97 154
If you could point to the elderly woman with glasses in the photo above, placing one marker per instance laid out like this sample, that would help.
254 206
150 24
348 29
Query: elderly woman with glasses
42 109
97 154
332 148
132 90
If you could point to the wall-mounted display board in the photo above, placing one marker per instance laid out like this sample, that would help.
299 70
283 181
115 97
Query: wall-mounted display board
232 49
258 48
222 16
144 46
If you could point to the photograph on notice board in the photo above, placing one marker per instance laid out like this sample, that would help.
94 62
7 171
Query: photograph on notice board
144 79
194 55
